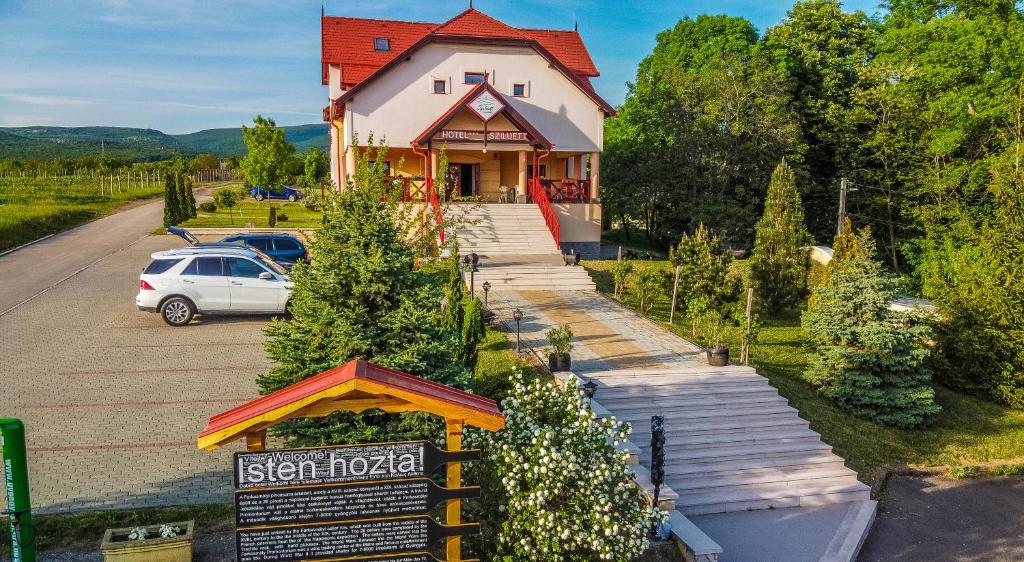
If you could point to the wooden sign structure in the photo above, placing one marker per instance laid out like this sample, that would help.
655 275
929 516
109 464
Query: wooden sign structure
352 502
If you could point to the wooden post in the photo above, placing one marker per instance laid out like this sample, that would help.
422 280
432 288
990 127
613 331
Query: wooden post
675 294
745 347
620 254
453 545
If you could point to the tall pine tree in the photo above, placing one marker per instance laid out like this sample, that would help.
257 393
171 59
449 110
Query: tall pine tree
172 203
779 265
361 298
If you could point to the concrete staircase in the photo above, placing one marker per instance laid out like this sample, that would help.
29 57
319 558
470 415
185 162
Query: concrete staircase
732 443
516 249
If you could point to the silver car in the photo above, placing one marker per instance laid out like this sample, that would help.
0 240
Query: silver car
217 280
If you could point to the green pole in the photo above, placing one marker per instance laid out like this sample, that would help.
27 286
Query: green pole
19 506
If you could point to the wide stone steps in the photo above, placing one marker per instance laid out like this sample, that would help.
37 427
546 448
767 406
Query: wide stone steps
534 278
716 467
772 497
753 480
502 229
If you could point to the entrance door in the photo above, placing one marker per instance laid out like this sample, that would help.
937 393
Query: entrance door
467 179
453 181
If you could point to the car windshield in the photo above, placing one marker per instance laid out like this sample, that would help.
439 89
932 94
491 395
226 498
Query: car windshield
269 262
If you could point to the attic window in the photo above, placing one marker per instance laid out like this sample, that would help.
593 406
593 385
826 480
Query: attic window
519 90
474 78
381 44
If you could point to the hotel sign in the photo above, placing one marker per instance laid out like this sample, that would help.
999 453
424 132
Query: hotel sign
486 106
460 135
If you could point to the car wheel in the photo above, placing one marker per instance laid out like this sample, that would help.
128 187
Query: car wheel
177 311
259 197
292 197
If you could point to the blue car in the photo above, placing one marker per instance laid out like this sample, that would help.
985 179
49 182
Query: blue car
283 192
281 247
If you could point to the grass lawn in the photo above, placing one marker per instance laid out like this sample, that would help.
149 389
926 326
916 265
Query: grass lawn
31 208
969 431
255 213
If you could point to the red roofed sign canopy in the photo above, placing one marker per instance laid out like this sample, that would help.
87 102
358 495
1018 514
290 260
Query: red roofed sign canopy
355 386
350 44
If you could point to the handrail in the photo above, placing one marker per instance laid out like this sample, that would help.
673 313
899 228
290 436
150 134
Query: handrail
540 197
435 202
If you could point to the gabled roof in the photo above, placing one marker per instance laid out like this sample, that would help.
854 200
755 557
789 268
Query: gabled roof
348 43
355 386
509 112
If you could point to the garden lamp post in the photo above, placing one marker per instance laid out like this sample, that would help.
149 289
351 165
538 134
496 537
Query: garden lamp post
487 288
471 262
518 315
657 460
589 390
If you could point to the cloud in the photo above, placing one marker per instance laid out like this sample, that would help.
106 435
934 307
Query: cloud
26 121
47 100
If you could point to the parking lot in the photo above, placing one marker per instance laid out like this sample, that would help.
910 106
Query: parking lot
112 398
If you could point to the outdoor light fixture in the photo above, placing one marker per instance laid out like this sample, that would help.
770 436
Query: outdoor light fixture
589 389
471 261
657 462
487 287
518 315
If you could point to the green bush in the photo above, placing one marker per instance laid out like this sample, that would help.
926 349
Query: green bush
703 267
555 486
620 272
865 357
282 218
472 329
208 207
272 216
647 286
560 340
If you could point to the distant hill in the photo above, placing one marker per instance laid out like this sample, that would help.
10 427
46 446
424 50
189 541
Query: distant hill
228 142
139 144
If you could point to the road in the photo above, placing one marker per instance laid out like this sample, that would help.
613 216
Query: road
32 270
112 398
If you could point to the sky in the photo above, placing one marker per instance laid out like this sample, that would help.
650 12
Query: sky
185 65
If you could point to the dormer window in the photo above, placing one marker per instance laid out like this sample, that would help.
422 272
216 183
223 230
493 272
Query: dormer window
381 44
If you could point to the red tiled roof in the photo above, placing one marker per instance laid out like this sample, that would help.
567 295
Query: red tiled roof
348 42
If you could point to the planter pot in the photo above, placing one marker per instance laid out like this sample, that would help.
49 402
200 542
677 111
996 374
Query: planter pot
117 548
558 363
718 356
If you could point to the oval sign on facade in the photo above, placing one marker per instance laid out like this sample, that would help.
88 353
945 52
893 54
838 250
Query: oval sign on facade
486 105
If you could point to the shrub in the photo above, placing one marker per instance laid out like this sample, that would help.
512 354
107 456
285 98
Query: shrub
282 218
472 329
779 264
647 286
703 266
563 491
560 340
620 272
272 216
867 358
208 207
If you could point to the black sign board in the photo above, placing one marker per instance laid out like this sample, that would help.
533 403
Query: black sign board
338 465
342 502
352 539
410 557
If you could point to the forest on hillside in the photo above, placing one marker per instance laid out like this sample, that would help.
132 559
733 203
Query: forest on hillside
919 111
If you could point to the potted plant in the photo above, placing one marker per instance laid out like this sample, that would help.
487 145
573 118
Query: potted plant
714 330
169 542
561 344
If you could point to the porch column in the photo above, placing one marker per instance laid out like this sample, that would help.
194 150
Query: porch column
595 175
350 161
522 169
433 163
577 166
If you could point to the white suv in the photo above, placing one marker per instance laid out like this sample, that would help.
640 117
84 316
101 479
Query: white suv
231 280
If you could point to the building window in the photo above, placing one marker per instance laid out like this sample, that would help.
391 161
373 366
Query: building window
385 165
381 44
475 77
440 86
519 90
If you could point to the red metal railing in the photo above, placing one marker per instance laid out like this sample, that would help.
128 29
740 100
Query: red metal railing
540 196
435 202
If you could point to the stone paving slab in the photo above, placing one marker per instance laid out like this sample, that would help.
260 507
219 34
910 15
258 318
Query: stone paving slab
113 398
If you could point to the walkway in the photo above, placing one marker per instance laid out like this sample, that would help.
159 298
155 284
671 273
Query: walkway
733 444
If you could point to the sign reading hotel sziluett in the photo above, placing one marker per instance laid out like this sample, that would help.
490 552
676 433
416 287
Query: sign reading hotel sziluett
341 464
461 135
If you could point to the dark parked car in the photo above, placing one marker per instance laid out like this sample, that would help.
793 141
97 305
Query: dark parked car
283 253
283 192
279 246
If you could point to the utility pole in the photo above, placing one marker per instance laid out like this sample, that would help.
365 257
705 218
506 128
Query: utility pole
844 184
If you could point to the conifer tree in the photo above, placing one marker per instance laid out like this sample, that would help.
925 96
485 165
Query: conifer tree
184 208
361 298
172 205
779 265
703 266
190 197
452 315
867 358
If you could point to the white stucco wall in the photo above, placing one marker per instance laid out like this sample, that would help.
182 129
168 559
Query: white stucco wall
400 105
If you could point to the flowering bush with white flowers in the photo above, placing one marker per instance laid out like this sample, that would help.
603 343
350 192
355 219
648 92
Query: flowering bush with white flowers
563 491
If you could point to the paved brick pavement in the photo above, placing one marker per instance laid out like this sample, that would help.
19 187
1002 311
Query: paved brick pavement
112 398
608 335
